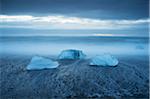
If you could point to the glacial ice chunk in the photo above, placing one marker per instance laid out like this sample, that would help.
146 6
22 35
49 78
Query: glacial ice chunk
104 60
38 62
71 54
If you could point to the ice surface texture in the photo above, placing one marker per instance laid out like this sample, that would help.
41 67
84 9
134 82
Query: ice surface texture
38 62
104 60
71 54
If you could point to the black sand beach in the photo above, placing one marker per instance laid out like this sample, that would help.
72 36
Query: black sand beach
74 79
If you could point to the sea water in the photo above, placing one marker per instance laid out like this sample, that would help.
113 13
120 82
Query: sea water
90 45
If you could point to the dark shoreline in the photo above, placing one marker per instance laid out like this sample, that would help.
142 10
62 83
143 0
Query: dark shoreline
75 79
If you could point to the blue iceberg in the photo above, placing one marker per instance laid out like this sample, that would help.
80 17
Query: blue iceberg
104 60
71 54
38 62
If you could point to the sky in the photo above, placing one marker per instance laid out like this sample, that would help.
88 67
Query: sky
107 17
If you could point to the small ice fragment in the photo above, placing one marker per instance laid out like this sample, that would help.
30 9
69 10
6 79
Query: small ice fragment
104 60
71 54
38 62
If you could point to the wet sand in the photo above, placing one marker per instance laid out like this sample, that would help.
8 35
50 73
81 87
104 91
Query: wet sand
74 79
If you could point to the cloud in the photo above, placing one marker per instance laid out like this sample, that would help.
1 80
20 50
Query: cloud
104 9
65 22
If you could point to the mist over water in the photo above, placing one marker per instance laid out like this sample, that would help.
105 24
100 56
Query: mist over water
90 45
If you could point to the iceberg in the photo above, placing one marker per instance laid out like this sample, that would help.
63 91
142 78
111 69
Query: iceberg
38 62
104 60
71 54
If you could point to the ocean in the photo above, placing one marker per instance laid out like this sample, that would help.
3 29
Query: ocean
90 45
